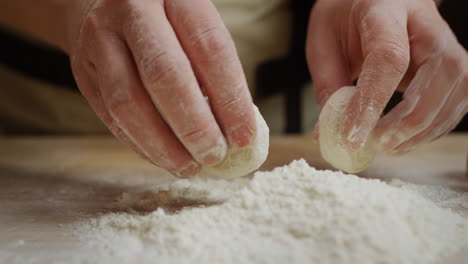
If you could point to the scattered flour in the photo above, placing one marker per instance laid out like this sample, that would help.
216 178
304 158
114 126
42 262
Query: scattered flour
293 214
440 195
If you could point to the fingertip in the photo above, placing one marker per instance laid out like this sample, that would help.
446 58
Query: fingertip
360 122
404 149
189 170
241 136
356 138
355 133
216 154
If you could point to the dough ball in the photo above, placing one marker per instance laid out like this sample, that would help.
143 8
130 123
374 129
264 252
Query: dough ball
241 161
331 141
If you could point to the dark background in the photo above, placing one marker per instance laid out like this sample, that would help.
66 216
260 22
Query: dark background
50 65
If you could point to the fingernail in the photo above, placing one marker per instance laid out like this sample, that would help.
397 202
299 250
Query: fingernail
241 136
216 154
211 159
188 171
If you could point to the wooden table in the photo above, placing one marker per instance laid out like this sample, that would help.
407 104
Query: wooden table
47 183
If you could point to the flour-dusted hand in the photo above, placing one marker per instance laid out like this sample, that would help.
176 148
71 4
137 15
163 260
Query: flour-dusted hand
389 45
146 66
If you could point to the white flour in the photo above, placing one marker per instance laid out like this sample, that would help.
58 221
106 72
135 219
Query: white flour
294 214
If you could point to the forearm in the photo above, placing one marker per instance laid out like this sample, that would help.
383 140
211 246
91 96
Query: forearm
44 20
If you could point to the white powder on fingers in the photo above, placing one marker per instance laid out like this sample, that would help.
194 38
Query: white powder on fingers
293 214
332 145
242 161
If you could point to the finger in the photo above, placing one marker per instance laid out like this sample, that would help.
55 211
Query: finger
210 48
409 146
129 104
425 48
325 57
86 78
429 102
422 79
385 48
454 109
168 77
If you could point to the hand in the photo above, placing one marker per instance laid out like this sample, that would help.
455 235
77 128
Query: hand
145 66
389 45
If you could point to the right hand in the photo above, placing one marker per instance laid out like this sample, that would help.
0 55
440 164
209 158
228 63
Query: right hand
388 45
145 67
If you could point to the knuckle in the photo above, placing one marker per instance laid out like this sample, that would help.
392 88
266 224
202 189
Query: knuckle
232 105
361 6
117 104
133 17
159 68
429 43
212 40
454 63
198 134
92 34
417 122
232 102
394 55
369 20
92 23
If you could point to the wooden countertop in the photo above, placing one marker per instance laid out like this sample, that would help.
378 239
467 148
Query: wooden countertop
47 183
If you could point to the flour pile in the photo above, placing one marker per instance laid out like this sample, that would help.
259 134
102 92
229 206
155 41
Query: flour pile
293 214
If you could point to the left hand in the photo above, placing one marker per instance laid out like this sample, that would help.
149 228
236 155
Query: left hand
389 45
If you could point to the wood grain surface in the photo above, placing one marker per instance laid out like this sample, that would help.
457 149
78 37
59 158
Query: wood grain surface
49 183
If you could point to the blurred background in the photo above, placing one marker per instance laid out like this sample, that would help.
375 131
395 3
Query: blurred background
39 94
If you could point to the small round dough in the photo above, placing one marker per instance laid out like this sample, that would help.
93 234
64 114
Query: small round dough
241 161
331 141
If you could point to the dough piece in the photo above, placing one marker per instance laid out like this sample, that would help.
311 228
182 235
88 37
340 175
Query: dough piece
241 161
331 141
